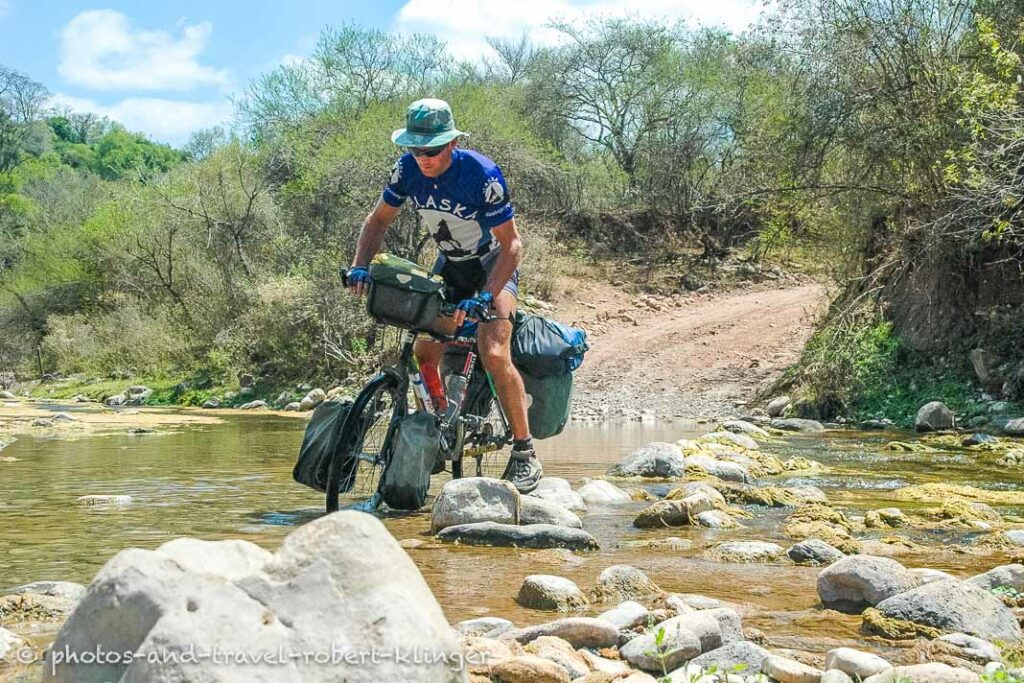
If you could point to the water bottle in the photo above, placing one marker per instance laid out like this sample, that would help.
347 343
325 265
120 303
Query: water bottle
455 388
421 392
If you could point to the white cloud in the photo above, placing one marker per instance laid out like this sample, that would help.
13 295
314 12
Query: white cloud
171 121
464 24
103 49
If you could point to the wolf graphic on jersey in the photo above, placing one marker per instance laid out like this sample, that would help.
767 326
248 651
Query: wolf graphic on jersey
460 207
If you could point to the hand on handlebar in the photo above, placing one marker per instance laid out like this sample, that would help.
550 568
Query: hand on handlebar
474 308
357 279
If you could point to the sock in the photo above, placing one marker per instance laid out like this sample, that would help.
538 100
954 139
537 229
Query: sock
523 444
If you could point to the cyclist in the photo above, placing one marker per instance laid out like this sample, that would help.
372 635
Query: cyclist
462 198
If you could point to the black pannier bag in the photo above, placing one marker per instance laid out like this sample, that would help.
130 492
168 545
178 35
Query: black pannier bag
319 445
403 294
407 478
544 347
548 403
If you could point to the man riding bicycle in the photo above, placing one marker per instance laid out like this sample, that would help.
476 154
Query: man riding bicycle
462 198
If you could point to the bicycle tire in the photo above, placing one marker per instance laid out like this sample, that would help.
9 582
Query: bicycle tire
363 451
480 402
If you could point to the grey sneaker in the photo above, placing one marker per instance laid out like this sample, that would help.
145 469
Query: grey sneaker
523 470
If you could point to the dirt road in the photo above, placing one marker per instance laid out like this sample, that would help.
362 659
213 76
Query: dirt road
687 356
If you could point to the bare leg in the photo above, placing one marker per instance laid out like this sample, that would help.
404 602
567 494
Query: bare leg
494 343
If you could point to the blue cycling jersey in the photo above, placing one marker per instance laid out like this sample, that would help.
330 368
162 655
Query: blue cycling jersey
460 206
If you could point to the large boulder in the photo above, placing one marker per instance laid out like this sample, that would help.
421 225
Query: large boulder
955 606
656 460
475 499
535 536
540 511
860 581
553 593
340 581
934 417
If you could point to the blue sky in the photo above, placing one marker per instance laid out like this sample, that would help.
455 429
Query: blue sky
168 69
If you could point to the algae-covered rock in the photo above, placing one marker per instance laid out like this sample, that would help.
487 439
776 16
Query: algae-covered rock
909 447
818 512
744 551
833 534
892 518
801 464
938 492
745 494
964 513
876 623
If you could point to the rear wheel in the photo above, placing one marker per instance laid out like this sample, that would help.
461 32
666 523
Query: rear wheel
486 434
364 449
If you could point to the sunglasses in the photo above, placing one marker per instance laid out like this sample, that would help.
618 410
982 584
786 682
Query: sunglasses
429 152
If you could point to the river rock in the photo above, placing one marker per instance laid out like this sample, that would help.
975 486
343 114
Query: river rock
787 670
1014 427
7 395
336 579
885 518
744 427
653 460
475 499
557 490
1014 536
859 581
599 491
528 669
212 403
933 672
954 606
731 655
807 494
484 627
795 424
579 631
68 590
551 593
934 417
724 470
835 676
626 615
312 399
229 559
1011 575
614 668
857 664
777 406
716 519
253 405
979 439
678 646
666 513
539 511
744 551
534 536
696 602
928 575
115 400
973 648
623 582
561 653
814 551
42 422
732 439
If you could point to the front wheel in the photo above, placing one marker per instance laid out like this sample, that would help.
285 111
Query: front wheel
364 449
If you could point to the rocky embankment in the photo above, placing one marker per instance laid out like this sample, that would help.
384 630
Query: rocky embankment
341 597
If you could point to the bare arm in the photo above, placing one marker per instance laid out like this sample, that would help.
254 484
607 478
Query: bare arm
371 236
508 259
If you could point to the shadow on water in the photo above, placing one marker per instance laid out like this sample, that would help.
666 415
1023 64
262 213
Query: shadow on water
233 480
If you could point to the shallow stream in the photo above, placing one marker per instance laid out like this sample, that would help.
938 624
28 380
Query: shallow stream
233 480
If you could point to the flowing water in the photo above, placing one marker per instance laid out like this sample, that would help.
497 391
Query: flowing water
233 480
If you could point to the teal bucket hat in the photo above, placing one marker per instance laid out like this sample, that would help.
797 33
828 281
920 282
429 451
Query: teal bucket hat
428 123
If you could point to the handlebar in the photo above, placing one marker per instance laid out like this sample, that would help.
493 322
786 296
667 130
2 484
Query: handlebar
447 309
